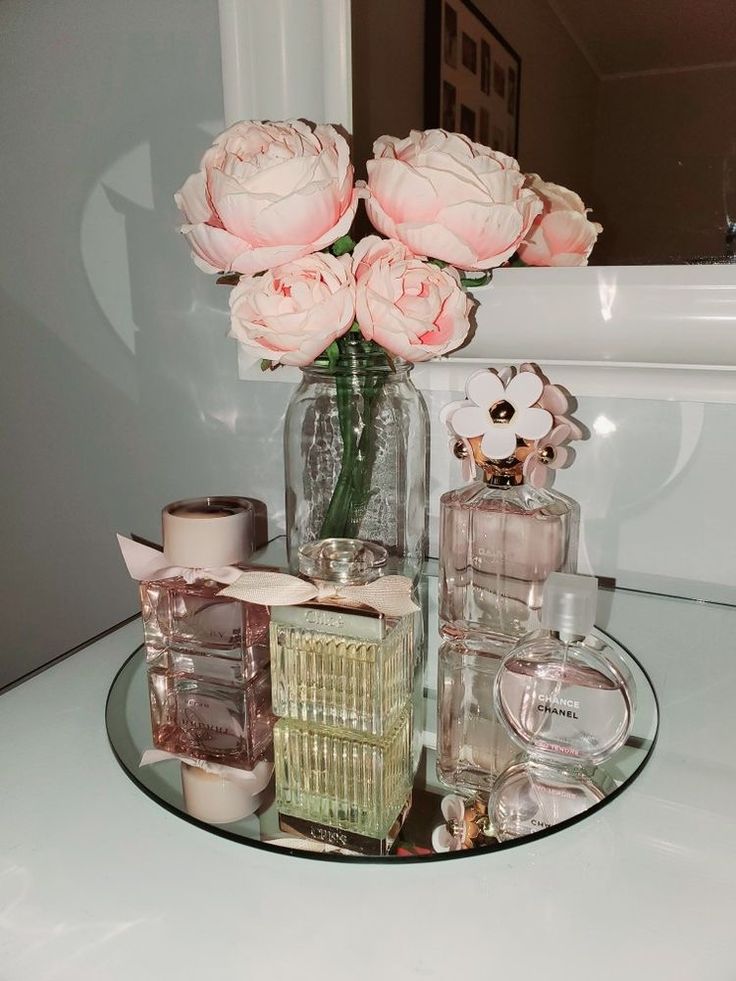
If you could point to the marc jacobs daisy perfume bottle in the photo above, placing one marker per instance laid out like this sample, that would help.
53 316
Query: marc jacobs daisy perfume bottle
501 537
343 657
207 655
562 695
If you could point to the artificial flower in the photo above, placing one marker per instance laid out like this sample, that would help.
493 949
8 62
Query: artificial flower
292 313
562 235
446 197
266 194
413 309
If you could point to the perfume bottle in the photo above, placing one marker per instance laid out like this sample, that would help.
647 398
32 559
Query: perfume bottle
500 538
530 797
343 788
343 660
473 748
207 655
336 661
560 695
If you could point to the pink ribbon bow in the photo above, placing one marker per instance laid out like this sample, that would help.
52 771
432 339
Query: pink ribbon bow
390 595
146 564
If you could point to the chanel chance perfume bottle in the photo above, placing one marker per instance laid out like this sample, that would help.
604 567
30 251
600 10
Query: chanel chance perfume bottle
342 645
207 655
500 538
561 696
530 797
473 748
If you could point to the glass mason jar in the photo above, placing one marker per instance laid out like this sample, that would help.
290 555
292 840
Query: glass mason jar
355 454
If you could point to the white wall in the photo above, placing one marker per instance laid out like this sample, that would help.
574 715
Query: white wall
119 391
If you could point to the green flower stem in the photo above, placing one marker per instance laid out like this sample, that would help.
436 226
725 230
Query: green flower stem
355 403
335 519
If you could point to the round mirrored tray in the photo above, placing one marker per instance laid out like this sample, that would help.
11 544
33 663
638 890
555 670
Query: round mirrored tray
527 800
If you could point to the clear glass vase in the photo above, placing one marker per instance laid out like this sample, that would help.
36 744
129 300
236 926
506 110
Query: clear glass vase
355 453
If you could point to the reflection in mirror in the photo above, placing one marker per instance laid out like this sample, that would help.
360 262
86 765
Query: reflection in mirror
627 102
505 797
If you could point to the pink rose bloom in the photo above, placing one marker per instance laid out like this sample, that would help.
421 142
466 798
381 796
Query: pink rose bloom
267 193
448 198
292 313
562 235
413 309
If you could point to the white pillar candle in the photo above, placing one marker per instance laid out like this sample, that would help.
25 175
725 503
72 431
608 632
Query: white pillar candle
215 798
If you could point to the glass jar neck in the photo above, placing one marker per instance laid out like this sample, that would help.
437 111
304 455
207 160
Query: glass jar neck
358 356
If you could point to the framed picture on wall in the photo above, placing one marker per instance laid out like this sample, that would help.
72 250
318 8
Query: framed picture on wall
472 78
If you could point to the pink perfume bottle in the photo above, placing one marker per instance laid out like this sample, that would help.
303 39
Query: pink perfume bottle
207 655
562 695
500 538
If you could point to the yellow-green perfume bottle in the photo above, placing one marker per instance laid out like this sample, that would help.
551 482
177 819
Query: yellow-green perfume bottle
336 661
342 678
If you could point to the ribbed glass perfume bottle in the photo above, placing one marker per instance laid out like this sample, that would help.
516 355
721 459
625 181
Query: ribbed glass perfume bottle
328 776
343 682
339 663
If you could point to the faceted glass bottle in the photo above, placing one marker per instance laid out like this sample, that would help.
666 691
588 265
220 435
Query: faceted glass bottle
472 746
207 655
499 540
561 696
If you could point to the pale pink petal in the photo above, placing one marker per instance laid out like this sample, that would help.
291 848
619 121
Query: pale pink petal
217 248
554 400
484 388
562 455
532 423
442 840
470 421
192 201
447 411
499 442
524 389
453 808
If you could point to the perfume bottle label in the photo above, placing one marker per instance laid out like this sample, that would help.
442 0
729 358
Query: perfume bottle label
329 619
209 719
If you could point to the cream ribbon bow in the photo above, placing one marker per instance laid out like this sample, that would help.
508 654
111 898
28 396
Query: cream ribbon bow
390 595
147 564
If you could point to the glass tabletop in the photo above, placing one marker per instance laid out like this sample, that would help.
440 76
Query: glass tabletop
526 799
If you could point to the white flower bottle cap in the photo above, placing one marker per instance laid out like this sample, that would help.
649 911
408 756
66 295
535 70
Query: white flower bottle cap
208 532
569 603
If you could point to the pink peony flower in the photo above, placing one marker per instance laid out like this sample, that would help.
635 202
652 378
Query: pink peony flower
292 313
448 198
266 194
562 235
412 308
